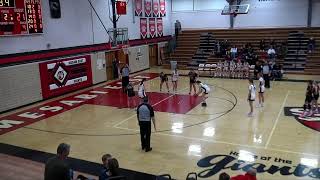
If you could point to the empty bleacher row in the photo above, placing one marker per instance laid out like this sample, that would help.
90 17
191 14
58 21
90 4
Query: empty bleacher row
298 60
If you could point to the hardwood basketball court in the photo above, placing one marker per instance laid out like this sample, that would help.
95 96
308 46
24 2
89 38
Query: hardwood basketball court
190 138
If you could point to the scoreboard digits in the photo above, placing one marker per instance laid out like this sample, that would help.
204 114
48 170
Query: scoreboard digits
18 17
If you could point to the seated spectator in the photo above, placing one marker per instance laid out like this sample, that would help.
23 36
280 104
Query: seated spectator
233 52
272 42
105 168
250 175
271 53
224 176
57 167
311 44
113 166
262 45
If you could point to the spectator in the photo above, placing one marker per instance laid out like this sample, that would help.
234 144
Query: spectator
271 53
266 71
257 68
233 52
125 71
277 71
111 168
224 176
262 45
218 49
105 167
311 44
177 28
272 42
57 167
250 175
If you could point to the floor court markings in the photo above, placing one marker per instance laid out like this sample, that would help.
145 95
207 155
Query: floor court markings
278 117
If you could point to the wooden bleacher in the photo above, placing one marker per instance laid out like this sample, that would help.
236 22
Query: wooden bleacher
188 43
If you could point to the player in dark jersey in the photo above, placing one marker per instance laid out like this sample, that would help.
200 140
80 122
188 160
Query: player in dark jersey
193 78
308 100
131 94
164 79
316 89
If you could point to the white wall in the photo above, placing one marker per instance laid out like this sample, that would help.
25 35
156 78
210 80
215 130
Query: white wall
278 13
138 58
316 14
195 14
78 26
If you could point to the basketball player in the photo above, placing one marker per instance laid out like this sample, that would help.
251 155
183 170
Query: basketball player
193 77
316 89
251 96
261 90
226 69
131 94
233 67
239 69
204 90
175 77
246 68
218 72
164 79
308 100
141 90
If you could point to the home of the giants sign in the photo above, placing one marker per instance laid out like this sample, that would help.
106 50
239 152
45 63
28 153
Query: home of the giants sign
215 164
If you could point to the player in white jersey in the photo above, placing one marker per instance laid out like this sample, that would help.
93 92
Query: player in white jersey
261 90
239 69
142 90
233 67
204 90
218 72
246 68
251 96
226 69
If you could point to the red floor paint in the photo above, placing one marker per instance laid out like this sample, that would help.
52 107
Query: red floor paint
107 95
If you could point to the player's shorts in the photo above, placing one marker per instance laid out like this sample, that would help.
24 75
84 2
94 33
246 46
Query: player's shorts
316 97
125 81
192 81
308 99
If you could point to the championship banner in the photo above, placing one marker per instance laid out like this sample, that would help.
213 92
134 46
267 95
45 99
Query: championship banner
155 8
159 27
65 75
143 28
152 27
138 7
148 8
162 8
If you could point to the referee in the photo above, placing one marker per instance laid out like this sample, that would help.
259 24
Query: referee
145 113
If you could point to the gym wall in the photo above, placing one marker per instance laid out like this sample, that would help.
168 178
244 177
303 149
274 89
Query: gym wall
138 58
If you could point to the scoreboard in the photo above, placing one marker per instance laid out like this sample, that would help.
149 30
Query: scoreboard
20 17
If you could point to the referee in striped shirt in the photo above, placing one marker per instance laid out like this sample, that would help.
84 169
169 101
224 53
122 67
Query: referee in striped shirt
145 114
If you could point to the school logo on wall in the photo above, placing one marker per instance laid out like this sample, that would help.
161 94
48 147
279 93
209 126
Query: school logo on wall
312 122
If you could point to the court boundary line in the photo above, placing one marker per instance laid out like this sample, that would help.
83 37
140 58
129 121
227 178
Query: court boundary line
222 142
277 119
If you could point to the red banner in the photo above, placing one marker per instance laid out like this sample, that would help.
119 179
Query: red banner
162 8
65 75
147 8
143 28
121 7
155 8
159 27
138 7
152 27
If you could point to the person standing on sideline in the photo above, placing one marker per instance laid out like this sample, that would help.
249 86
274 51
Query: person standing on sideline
316 89
145 114
193 77
131 94
125 71
57 167
177 28
251 96
175 77
115 68
261 90
266 71
164 79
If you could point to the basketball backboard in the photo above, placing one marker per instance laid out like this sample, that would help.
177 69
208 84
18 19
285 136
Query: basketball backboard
118 37
235 9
